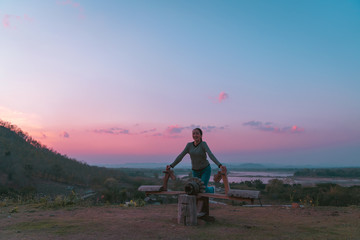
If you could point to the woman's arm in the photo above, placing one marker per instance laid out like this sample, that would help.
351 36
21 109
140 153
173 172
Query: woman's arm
211 155
181 156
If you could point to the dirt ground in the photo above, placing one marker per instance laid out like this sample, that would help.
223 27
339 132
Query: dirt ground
160 222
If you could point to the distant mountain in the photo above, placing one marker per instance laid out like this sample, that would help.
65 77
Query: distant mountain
230 166
24 162
183 165
141 165
248 165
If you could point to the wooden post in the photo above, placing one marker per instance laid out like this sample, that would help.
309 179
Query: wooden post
168 174
225 180
187 213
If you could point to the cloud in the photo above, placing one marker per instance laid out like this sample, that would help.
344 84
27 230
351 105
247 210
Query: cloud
124 131
22 119
253 124
8 23
27 18
114 131
75 5
296 129
157 135
223 96
65 134
266 127
211 128
175 130
172 131
148 131
270 127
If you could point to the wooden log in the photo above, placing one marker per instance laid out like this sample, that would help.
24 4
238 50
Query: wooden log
217 177
225 180
168 174
244 193
150 188
222 196
192 188
187 213
166 192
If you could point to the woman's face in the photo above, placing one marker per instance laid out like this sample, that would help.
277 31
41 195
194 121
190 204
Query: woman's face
196 135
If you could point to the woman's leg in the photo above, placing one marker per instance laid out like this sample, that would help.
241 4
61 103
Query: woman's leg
205 178
204 175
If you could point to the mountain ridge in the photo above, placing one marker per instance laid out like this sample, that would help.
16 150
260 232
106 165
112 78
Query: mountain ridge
23 161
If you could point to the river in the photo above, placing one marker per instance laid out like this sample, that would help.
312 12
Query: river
265 177
286 177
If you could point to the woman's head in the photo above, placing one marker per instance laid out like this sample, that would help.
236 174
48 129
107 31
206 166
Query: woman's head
197 134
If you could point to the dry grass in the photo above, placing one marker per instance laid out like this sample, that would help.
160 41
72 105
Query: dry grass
159 222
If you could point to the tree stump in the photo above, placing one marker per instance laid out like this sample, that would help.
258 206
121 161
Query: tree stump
187 213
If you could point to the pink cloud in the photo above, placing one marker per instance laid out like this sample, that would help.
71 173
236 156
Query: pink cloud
126 131
113 131
270 127
174 129
27 18
156 135
75 5
6 22
296 129
148 131
223 96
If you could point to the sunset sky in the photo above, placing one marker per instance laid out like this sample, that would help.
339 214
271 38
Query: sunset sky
110 82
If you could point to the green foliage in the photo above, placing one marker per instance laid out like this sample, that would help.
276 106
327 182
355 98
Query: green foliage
58 201
277 189
321 195
140 202
249 185
134 203
335 195
14 210
112 191
139 195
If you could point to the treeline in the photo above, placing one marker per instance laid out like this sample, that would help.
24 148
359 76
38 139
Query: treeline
326 194
24 160
329 172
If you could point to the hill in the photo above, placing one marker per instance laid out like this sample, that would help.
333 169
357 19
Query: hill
27 165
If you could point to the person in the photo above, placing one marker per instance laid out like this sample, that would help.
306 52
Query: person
200 165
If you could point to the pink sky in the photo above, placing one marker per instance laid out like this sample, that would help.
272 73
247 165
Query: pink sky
94 80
